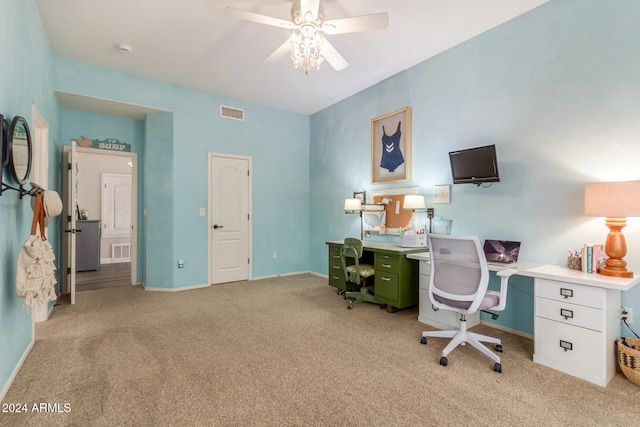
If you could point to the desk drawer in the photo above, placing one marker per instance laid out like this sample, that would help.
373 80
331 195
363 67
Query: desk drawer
425 268
586 353
387 263
336 273
571 314
387 286
575 294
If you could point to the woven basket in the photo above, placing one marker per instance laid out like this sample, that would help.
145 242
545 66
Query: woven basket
629 358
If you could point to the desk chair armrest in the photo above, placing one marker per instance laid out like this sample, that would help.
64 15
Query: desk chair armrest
504 284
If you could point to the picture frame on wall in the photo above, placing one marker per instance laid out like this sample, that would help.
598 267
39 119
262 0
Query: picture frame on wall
360 195
391 147
441 194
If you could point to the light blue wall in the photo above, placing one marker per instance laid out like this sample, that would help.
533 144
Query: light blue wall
277 141
25 80
74 124
158 225
556 90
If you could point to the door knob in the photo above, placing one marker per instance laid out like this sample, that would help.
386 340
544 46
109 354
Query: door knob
215 227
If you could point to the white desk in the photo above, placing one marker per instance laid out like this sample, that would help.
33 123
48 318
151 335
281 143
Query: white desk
577 317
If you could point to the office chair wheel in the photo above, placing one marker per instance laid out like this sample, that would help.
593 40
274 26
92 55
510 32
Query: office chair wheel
350 307
423 340
498 368
499 348
444 361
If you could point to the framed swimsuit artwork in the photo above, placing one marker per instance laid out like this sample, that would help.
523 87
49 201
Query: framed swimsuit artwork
391 147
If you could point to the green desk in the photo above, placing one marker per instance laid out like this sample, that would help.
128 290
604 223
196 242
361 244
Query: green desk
396 278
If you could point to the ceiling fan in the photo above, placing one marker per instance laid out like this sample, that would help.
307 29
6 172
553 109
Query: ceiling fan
307 45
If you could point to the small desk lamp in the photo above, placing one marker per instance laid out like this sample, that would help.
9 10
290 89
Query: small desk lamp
615 201
354 206
413 202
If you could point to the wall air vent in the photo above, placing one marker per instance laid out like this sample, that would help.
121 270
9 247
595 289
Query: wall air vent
231 113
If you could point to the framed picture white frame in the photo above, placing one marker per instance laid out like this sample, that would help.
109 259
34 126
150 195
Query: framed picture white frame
442 194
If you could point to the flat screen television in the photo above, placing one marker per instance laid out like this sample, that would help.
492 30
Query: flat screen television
474 165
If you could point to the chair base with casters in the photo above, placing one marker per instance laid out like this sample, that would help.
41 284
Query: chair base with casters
356 297
461 337
459 282
356 273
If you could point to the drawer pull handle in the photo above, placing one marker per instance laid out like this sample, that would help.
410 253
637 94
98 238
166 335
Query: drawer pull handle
566 292
386 279
566 345
336 277
386 265
336 256
337 267
567 314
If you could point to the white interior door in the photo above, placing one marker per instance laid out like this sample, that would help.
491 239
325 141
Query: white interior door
69 173
229 218
116 205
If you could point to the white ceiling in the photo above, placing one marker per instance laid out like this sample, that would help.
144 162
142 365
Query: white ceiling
193 43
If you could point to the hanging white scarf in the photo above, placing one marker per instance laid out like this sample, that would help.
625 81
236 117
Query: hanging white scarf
35 278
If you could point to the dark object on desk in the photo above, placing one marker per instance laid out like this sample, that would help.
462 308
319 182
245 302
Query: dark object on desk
459 282
501 251
574 262
356 273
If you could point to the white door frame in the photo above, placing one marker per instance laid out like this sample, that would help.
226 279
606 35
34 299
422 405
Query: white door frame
134 202
210 156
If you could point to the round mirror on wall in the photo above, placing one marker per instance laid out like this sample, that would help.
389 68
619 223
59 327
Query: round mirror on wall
19 150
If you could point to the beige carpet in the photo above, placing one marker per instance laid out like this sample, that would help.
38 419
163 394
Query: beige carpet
284 352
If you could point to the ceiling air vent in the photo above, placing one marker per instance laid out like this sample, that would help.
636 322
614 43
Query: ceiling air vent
231 113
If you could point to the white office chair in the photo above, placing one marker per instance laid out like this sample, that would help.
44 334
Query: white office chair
459 282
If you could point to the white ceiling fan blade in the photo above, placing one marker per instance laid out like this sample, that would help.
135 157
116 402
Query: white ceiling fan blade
255 17
279 52
376 21
331 55
310 6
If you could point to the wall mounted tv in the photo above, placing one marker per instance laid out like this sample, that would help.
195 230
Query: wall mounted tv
474 165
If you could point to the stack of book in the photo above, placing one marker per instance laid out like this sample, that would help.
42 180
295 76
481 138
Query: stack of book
593 257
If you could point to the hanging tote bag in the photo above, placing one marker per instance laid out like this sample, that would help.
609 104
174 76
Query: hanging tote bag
35 273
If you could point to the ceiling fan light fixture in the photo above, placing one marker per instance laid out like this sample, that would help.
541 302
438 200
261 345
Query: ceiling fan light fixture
306 49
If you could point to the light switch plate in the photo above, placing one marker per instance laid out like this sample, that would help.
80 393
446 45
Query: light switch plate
202 212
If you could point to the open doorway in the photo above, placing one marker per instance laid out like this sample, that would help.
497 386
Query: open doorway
105 211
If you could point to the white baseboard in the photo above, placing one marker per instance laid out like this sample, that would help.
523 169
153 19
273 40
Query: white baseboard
505 329
113 261
17 368
326 276
295 273
186 288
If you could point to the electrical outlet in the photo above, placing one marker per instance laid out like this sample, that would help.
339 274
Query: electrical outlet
628 313
180 263
274 255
